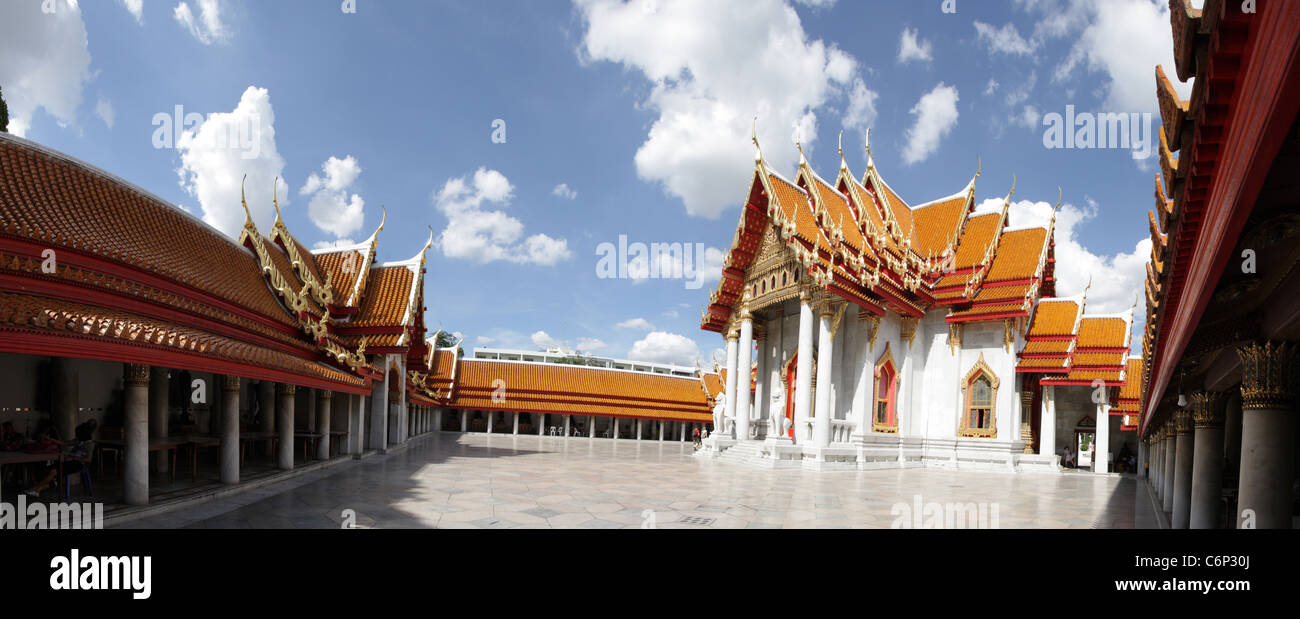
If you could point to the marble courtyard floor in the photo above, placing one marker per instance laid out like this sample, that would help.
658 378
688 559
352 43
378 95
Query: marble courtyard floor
453 480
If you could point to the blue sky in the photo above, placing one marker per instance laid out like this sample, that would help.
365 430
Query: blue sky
641 111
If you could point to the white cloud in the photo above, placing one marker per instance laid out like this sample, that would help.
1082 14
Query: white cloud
910 47
104 110
333 244
1004 40
484 340
330 208
1027 118
589 344
664 347
635 323
562 190
44 62
136 8
706 92
1124 39
542 340
486 236
936 115
1116 279
206 27
212 166
992 87
861 111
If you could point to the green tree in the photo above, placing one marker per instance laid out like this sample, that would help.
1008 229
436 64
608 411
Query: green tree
445 340
4 113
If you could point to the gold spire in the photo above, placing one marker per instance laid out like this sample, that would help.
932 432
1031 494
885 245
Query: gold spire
248 216
866 144
275 197
753 136
843 165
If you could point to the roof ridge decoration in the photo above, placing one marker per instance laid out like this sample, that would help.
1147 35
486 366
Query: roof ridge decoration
363 270
417 290
323 292
293 299
977 278
1048 242
892 226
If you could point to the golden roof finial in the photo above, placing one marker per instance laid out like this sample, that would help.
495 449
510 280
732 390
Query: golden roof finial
979 166
866 144
1012 192
275 197
798 144
1059 196
753 136
248 216
843 165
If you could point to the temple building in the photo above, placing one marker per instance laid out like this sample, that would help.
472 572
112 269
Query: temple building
1217 404
118 307
884 334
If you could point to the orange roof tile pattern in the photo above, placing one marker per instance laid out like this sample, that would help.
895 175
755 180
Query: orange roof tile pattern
387 295
569 389
57 202
937 224
1051 336
343 268
1100 353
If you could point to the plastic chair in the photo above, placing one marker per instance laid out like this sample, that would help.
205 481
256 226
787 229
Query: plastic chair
85 484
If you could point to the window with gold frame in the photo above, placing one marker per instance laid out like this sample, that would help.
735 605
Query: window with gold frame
980 395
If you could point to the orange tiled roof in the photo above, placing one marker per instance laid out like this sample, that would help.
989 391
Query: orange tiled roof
1132 389
1054 317
570 389
51 199
343 268
979 233
1018 254
937 223
388 292
440 362
1103 333
1042 347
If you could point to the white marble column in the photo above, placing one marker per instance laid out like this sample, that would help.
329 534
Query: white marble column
822 413
158 400
591 426
661 430
1101 459
1207 466
437 420
744 363
324 407
729 407
515 428
682 427
1171 459
1047 422
568 425
1143 453
464 420
1183 471
761 390
284 419
379 414
541 424
135 423
803 367
229 429
1268 435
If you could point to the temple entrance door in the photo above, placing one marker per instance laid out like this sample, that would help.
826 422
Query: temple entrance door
1083 446
790 372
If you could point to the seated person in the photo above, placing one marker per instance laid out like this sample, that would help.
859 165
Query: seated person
10 439
76 454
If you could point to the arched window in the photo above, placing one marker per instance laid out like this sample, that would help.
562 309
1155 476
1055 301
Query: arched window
884 415
980 388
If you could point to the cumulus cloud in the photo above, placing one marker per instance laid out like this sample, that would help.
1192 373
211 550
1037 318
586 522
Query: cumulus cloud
542 340
206 27
484 340
562 190
333 244
911 47
44 62
136 8
1116 279
664 347
104 110
936 115
589 344
635 323
330 207
1123 40
475 233
1004 40
705 93
861 111
212 163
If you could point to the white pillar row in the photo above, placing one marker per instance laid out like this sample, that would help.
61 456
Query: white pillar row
284 419
1047 423
1157 454
1207 464
324 408
1183 471
803 367
758 410
744 363
135 474
825 355
729 404
1268 435
158 387
229 429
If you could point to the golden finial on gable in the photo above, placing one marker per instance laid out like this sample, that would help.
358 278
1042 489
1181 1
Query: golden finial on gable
275 197
248 216
753 136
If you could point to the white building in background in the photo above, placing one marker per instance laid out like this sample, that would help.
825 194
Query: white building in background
886 335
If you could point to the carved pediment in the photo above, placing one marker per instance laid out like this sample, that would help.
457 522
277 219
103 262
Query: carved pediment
775 273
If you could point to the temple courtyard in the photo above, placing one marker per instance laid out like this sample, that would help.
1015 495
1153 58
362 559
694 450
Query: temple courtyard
454 480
